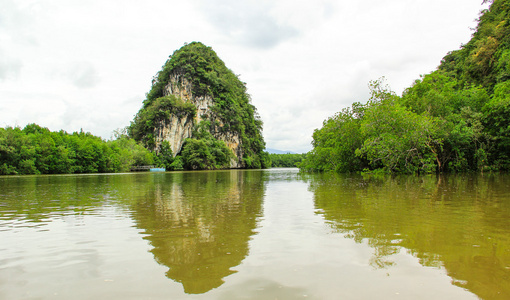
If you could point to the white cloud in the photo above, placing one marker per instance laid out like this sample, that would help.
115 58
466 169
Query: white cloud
9 68
82 75
249 23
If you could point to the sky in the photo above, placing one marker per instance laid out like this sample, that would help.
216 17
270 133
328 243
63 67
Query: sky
88 64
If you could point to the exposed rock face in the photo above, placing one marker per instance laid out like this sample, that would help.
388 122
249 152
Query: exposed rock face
179 128
174 131
179 86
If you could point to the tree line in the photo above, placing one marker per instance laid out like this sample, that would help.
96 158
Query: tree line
287 160
37 150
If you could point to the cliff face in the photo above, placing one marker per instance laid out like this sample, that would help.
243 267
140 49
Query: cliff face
177 129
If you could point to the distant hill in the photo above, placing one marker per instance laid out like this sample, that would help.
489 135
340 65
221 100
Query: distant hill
275 151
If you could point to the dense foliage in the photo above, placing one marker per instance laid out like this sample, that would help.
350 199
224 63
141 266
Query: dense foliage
287 160
37 150
204 151
453 119
232 110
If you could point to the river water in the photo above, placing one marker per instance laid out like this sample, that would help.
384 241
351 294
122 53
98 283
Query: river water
254 234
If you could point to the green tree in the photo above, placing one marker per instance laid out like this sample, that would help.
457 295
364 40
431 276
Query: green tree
496 121
196 155
398 140
334 145
395 138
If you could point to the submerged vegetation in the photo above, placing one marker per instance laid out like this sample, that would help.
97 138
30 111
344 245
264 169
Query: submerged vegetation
454 119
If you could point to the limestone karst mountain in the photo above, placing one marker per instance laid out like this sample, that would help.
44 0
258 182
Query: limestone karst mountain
199 111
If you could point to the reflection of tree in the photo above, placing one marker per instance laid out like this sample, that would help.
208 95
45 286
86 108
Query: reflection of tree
34 198
458 223
199 223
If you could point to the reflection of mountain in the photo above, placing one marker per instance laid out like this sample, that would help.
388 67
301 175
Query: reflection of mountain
199 223
458 223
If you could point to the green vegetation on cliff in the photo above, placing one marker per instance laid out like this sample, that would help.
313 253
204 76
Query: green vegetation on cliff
204 151
232 110
454 119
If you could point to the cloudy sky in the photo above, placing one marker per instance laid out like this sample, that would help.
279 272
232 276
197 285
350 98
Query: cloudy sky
88 64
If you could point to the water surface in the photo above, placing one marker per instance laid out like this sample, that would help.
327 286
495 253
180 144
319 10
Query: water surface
259 234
